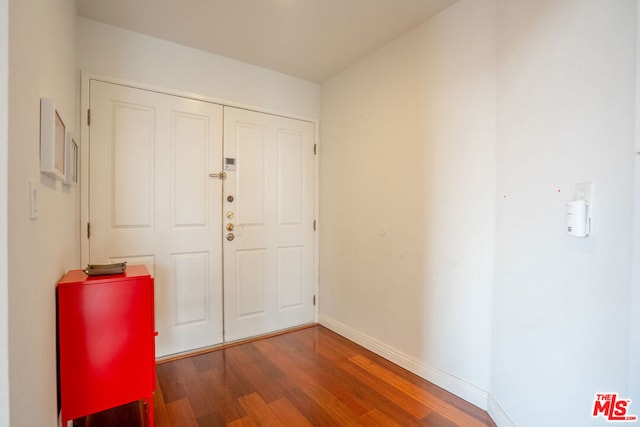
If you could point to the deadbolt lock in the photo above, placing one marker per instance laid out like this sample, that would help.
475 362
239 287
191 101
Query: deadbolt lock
230 215
230 237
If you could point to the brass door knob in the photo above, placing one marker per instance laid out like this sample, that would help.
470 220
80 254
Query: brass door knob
230 227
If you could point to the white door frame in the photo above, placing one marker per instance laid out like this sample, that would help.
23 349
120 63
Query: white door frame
85 79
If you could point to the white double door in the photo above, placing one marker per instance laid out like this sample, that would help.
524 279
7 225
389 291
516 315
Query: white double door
155 198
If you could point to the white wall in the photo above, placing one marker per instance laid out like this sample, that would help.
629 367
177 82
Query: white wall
566 91
115 52
4 307
472 131
42 63
634 322
634 332
408 199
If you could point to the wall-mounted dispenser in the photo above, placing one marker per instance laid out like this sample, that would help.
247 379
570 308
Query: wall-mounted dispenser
578 211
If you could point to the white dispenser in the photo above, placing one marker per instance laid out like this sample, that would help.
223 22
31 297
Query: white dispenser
578 221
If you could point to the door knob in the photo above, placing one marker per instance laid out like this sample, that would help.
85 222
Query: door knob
230 227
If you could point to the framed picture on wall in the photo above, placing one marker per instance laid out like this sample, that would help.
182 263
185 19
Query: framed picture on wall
53 140
71 163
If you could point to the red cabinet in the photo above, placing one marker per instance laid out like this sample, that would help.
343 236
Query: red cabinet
106 341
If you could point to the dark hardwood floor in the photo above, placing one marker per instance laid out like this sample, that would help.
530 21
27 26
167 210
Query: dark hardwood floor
310 377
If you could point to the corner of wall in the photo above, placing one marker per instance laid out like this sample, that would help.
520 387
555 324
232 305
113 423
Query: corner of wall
497 414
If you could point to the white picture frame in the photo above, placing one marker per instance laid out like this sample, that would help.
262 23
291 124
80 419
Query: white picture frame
71 175
53 136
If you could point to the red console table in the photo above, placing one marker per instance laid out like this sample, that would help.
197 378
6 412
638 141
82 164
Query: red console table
106 341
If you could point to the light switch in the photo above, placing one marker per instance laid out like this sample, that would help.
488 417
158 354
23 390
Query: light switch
33 200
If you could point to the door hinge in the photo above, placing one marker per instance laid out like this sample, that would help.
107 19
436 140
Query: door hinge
88 230
315 224
89 117
314 300
315 149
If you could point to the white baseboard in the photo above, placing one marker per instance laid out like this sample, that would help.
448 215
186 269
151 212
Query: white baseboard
451 383
497 414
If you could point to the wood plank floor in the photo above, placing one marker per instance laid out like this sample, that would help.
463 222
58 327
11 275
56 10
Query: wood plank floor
310 377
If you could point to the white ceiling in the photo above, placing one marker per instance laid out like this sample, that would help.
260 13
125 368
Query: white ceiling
309 39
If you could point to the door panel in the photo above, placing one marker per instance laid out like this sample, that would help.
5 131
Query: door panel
152 201
291 277
251 283
190 277
291 178
269 263
189 146
251 151
131 165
